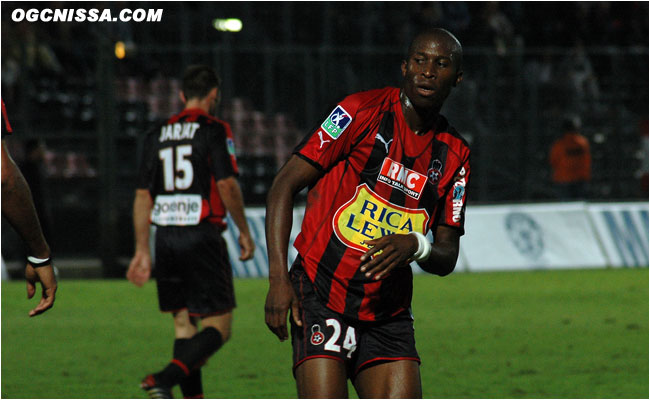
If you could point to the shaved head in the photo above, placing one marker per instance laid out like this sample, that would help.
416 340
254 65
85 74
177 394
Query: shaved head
431 69
442 36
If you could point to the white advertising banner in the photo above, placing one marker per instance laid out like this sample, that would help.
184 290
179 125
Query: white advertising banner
259 265
509 237
622 229
534 236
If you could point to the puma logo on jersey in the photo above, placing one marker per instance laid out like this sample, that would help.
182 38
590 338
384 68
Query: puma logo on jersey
322 141
381 139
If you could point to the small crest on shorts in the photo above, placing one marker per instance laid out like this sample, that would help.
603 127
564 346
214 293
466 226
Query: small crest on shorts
317 336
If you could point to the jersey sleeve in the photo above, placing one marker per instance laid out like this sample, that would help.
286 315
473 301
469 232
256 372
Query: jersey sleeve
221 147
333 139
6 127
454 202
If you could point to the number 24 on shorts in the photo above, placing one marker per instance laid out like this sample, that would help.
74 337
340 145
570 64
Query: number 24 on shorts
349 342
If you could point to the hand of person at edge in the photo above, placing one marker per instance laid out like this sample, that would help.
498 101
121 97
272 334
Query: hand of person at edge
139 269
44 275
247 246
387 253
279 300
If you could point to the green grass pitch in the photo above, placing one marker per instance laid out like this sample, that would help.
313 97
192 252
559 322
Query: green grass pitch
541 334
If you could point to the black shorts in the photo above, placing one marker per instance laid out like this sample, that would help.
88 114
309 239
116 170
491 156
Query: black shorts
358 344
193 270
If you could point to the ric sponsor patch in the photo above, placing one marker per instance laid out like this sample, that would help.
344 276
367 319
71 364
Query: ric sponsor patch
367 216
398 176
177 210
336 123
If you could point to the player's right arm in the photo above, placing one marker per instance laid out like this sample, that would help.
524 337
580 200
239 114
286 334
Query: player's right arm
18 207
140 267
291 179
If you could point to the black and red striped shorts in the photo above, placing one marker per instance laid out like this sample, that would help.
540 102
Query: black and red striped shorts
358 344
193 271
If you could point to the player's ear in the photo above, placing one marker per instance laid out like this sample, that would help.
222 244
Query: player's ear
181 96
459 78
403 68
215 94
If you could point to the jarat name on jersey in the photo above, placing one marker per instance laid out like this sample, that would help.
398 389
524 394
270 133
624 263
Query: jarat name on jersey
178 131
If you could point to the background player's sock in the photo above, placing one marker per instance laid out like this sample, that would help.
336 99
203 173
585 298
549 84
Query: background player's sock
191 386
191 354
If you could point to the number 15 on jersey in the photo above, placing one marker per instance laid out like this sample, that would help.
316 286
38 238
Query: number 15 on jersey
178 172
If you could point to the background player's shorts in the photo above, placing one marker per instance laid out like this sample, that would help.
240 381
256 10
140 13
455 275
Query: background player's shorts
358 344
193 270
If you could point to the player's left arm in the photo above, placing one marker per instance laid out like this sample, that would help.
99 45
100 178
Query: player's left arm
397 250
223 166
444 251
232 198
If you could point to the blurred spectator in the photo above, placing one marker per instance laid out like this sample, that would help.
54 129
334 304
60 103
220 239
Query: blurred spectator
581 82
286 138
570 160
495 28
541 69
34 52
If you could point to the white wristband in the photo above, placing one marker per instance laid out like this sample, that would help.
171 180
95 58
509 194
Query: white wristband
424 247
35 260
39 262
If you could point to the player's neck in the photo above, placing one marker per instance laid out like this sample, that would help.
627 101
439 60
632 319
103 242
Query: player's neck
420 121
201 104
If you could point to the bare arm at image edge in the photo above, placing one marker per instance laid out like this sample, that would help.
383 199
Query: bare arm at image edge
18 208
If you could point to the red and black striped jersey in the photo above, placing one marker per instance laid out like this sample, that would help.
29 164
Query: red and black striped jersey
181 162
6 128
379 178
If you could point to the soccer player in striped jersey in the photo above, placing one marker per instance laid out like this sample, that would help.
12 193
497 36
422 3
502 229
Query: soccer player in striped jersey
187 182
383 169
